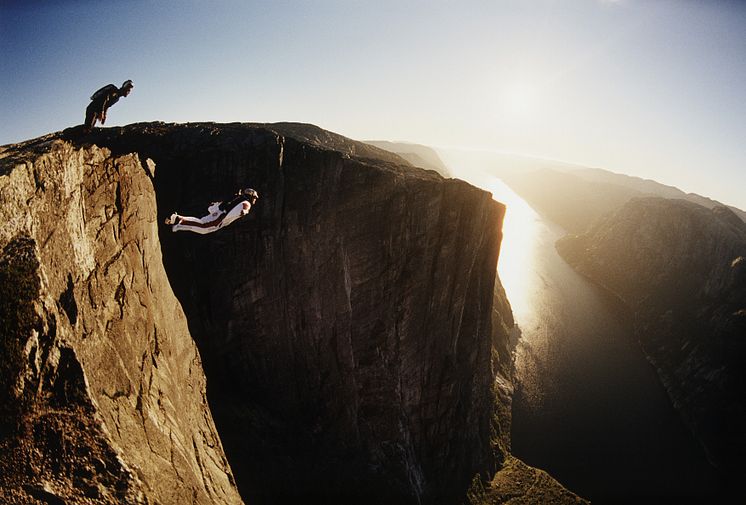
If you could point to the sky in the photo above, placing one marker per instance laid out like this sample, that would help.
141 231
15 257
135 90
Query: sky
652 88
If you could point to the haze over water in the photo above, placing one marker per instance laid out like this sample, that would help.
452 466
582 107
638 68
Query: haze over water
588 406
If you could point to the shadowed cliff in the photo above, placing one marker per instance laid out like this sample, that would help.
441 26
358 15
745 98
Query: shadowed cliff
353 334
346 322
680 268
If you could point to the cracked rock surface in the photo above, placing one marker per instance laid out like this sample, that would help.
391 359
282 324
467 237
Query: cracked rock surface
103 393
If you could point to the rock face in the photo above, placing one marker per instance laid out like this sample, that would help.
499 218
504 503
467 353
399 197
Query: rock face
681 268
345 323
351 328
519 484
102 391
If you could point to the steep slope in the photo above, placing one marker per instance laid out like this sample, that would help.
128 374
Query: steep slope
345 324
519 484
103 395
680 267
651 188
352 331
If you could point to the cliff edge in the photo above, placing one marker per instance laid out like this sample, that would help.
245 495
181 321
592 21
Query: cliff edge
346 323
351 328
103 394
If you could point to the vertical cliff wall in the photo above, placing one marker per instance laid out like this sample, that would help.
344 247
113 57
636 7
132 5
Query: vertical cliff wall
103 394
351 328
345 324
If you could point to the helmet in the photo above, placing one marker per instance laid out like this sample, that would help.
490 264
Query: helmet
251 193
128 84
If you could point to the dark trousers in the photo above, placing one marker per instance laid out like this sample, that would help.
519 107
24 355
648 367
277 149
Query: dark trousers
92 114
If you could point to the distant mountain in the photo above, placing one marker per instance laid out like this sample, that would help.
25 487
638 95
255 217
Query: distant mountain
497 163
576 198
681 269
416 154
573 196
570 201
650 187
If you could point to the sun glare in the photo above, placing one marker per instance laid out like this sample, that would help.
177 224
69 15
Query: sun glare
521 227
518 100
518 248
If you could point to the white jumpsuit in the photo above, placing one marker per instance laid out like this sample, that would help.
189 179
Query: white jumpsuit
213 221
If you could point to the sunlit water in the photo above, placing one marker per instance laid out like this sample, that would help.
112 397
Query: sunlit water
588 407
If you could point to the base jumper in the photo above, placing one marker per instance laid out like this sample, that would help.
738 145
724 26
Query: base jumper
221 214
101 100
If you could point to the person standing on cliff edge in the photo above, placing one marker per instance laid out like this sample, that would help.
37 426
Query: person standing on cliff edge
101 100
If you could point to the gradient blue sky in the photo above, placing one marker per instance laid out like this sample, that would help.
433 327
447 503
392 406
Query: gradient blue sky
653 88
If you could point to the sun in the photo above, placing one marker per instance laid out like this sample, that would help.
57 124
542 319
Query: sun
519 100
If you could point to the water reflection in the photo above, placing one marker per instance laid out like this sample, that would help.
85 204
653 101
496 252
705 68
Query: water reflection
520 230
525 239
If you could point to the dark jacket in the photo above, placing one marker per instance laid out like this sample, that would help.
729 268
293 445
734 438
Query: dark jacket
227 205
104 98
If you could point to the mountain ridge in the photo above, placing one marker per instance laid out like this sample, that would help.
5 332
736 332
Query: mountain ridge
416 154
